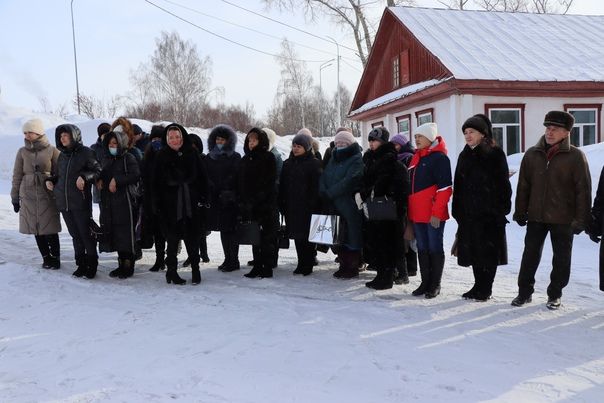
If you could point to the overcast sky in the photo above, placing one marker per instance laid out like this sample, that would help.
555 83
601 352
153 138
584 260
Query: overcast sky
114 36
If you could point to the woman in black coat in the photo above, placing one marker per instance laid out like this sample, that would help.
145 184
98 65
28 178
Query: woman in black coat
179 192
481 200
299 198
258 198
120 169
383 176
78 169
222 163
597 224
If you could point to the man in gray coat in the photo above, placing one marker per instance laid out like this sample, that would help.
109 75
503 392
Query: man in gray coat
553 196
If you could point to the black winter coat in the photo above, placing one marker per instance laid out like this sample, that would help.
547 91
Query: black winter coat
223 167
118 210
481 200
299 193
75 161
257 178
179 189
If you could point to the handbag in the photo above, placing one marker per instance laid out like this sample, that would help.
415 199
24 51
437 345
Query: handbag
282 236
381 209
134 189
248 233
324 229
95 230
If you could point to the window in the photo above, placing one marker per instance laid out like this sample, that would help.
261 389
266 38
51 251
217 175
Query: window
585 130
507 126
377 124
424 116
403 125
396 72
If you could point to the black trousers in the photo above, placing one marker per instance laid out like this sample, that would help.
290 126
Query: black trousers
77 225
192 245
230 247
561 236
265 252
306 253
48 245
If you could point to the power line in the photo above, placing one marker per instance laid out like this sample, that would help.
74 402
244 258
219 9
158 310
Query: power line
225 38
282 23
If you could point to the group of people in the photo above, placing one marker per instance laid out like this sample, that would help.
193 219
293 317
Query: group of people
161 190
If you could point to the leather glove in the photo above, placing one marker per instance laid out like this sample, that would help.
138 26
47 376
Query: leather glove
521 222
359 200
595 238
16 207
435 222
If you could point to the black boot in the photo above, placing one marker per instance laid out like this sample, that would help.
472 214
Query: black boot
116 272
203 249
471 293
255 272
92 262
411 261
173 277
266 271
54 262
484 291
424 269
195 274
383 280
160 263
46 262
437 264
127 268
81 266
401 276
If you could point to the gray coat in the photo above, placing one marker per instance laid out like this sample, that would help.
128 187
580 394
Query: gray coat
35 162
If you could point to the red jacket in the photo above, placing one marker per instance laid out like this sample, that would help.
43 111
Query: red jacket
431 184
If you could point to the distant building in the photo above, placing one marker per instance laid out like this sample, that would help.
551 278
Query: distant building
447 65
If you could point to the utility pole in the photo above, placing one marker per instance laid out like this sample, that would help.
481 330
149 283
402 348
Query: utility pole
321 67
338 67
75 58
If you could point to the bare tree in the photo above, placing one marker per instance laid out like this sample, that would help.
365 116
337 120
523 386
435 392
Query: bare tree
94 107
528 6
60 110
454 4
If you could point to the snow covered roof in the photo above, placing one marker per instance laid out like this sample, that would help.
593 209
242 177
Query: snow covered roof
484 45
397 94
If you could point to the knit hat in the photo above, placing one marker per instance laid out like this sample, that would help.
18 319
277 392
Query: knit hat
344 137
305 131
560 119
157 131
137 130
103 128
428 130
479 122
399 139
34 126
343 129
379 133
303 140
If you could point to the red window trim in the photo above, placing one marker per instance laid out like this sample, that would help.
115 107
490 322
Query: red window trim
488 107
377 124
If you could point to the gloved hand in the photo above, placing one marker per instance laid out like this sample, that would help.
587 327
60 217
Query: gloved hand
16 207
435 222
521 222
595 238
359 200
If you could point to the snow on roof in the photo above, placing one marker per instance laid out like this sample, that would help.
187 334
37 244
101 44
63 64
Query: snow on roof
397 94
510 46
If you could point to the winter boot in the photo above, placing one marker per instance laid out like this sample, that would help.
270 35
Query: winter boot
92 262
484 291
401 276
46 262
267 270
116 272
350 264
172 275
411 262
437 264
255 272
195 274
127 269
424 269
159 264
203 249
81 266
55 262
383 280
471 293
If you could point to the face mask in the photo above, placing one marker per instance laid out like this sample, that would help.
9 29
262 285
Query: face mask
156 145
113 151
340 148
219 146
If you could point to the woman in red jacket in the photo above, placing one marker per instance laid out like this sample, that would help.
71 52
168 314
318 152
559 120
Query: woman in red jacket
430 177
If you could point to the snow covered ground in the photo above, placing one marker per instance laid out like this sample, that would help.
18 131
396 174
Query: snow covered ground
291 338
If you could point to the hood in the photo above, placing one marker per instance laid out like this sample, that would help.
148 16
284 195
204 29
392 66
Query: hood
122 142
197 142
262 140
186 140
227 133
272 137
73 130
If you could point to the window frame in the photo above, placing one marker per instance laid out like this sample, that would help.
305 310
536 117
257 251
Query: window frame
588 107
377 124
521 107
404 117
423 112
396 72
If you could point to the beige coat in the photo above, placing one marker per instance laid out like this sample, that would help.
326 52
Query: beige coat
34 163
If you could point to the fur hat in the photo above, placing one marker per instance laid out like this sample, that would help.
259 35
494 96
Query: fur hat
157 131
303 140
306 131
103 128
272 137
560 119
379 133
344 137
34 126
136 129
428 130
481 123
